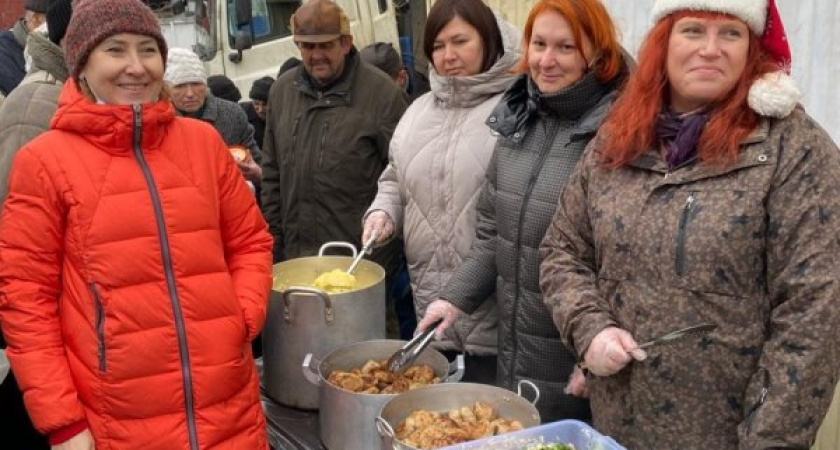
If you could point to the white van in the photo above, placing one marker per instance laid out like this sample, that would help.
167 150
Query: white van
257 40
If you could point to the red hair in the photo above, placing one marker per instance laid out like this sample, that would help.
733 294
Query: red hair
629 127
585 17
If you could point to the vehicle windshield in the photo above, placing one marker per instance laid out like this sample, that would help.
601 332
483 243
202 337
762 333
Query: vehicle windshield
188 24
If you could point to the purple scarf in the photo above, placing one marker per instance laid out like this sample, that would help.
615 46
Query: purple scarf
680 132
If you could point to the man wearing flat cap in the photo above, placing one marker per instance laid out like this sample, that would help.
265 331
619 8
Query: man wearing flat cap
13 41
328 128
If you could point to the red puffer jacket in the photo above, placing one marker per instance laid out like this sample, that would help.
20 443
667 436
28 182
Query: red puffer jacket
134 269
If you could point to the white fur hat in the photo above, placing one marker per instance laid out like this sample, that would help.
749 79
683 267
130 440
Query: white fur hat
183 66
774 94
752 12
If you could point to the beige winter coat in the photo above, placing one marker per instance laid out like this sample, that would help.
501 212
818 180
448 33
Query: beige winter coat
438 159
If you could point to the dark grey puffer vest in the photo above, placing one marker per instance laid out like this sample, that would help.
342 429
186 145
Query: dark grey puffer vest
541 139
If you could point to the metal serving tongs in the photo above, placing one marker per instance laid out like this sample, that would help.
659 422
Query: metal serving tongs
403 357
674 336
365 250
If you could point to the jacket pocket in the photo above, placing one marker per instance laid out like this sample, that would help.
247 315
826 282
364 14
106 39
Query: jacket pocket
682 231
718 241
99 324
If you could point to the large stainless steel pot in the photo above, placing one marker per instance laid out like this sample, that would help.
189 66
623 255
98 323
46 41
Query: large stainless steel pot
446 397
303 320
346 419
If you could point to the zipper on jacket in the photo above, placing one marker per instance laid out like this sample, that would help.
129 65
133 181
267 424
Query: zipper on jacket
323 144
99 323
681 234
762 397
532 181
294 137
174 298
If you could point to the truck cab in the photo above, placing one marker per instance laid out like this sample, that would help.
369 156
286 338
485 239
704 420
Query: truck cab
249 39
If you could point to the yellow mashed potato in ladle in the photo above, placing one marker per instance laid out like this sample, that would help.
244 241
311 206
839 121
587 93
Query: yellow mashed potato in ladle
335 281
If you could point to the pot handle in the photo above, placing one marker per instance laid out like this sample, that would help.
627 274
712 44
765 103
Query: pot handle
309 371
337 244
456 369
287 303
384 428
533 387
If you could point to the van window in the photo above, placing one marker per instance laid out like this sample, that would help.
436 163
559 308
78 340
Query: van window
269 19
383 6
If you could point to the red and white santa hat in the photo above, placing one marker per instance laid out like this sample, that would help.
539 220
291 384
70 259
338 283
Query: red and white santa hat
775 94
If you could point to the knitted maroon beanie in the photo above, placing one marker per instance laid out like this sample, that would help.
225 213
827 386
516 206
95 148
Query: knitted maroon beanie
93 21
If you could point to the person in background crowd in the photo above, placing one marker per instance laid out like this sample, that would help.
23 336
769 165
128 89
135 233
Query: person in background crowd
27 111
384 57
25 114
222 87
288 65
710 197
135 263
328 127
256 108
185 74
572 69
13 41
438 158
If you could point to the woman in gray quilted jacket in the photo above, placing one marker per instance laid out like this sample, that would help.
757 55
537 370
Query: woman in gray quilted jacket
572 68
438 156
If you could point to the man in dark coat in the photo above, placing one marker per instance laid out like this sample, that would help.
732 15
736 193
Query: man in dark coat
328 131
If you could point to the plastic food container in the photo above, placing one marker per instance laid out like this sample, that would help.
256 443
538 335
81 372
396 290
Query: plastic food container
575 432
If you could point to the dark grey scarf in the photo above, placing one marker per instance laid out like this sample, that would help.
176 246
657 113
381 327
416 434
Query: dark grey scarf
571 102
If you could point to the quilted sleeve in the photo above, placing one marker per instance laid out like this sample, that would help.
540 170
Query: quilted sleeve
247 243
475 279
31 247
389 196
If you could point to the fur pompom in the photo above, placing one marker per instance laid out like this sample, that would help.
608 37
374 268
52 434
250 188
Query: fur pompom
774 95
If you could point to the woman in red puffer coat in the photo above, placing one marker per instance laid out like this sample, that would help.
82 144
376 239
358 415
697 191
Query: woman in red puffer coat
134 263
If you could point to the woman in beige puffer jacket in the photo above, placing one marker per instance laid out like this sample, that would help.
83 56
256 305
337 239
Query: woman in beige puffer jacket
438 157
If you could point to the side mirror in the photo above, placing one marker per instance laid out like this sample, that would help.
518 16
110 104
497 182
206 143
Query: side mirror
243 12
242 41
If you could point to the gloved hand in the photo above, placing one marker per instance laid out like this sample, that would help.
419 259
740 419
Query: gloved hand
577 384
439 309
380 222
81 441
611 350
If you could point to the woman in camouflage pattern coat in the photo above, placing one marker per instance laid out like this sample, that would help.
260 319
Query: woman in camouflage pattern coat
709 196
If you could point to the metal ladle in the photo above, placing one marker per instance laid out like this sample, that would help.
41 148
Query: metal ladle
365 250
